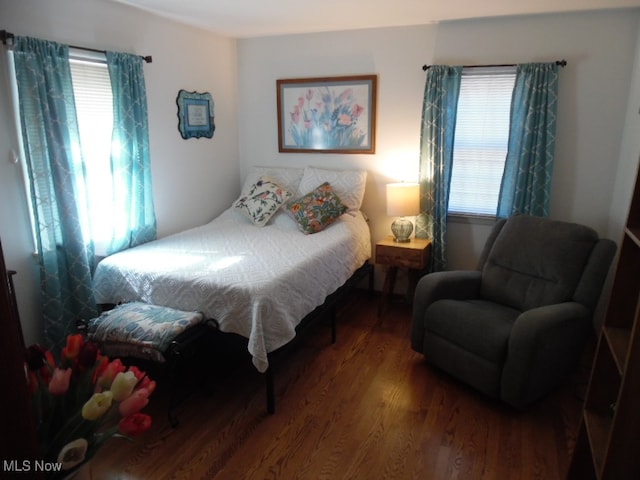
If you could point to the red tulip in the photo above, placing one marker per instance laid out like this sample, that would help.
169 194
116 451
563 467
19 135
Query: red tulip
47 369
109 373
135 424
102 362
74 344
87 355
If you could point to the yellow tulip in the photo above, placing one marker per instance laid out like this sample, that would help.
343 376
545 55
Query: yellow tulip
97 405
123 385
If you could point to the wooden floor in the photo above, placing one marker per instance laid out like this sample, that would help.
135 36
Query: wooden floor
366 407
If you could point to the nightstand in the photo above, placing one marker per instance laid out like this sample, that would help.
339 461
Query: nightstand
413 255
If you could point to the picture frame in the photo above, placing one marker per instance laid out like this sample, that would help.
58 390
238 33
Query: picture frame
327 114
196 116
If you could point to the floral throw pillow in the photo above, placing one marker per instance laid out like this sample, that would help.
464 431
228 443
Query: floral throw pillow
261 201
317 209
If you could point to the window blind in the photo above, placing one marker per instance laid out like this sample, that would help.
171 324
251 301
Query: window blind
94 109
481 138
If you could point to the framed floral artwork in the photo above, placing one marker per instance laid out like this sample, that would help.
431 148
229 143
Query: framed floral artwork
327 115
195 114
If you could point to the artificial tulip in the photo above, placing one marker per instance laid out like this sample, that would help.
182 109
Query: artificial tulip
135 424
97 405
47 368
106 379
148 384
74 344
60 379
102 362
136 402
88 355
123 385
137 372
83 377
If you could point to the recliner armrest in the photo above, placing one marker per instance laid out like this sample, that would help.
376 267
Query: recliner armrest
544 347
455 284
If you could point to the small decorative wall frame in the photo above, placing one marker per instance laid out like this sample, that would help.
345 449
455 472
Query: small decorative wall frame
327 115
195 114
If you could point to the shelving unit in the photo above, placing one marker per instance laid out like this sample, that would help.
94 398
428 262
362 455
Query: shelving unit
609 435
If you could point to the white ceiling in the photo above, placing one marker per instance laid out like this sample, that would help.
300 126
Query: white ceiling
254 18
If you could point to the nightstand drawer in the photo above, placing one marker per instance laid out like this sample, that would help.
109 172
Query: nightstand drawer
402 257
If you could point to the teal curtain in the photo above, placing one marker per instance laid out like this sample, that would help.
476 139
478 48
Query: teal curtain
440 105
130 161
54 164
526 184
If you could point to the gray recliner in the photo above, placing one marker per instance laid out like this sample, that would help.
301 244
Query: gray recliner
516 327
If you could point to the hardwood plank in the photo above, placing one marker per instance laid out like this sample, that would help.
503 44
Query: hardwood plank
365 407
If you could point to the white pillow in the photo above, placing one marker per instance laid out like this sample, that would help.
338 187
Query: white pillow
287 178
349 185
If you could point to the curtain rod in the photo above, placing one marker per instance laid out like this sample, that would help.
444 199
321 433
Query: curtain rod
8 36
561 63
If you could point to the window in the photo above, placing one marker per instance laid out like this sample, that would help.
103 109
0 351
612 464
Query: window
94 109
481 139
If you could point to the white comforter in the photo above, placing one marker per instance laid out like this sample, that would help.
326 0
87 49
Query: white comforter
256 282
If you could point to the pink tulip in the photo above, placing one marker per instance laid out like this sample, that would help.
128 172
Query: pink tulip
148 384
134 403
59 383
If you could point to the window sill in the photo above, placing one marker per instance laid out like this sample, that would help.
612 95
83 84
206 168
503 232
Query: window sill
472 219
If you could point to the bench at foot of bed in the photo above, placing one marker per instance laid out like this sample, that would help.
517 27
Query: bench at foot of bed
150 333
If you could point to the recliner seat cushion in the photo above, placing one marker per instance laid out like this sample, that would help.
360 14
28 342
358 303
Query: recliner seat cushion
477 326
535 262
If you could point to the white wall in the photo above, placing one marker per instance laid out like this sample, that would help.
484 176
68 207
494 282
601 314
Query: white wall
629 153
193 180
599 47
593 92
396 55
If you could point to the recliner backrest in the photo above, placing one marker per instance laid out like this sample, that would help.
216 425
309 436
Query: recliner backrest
535 261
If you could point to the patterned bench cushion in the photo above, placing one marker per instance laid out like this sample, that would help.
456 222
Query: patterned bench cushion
140 330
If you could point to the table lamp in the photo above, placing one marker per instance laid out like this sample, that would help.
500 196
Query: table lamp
403 199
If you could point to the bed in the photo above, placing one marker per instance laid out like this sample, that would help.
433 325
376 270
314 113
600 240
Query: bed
256 278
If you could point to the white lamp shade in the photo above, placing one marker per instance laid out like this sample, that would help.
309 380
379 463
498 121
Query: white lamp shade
403 199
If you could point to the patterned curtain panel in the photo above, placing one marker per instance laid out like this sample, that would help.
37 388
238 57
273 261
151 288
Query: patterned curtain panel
52 148
130 162
439 109
526 184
